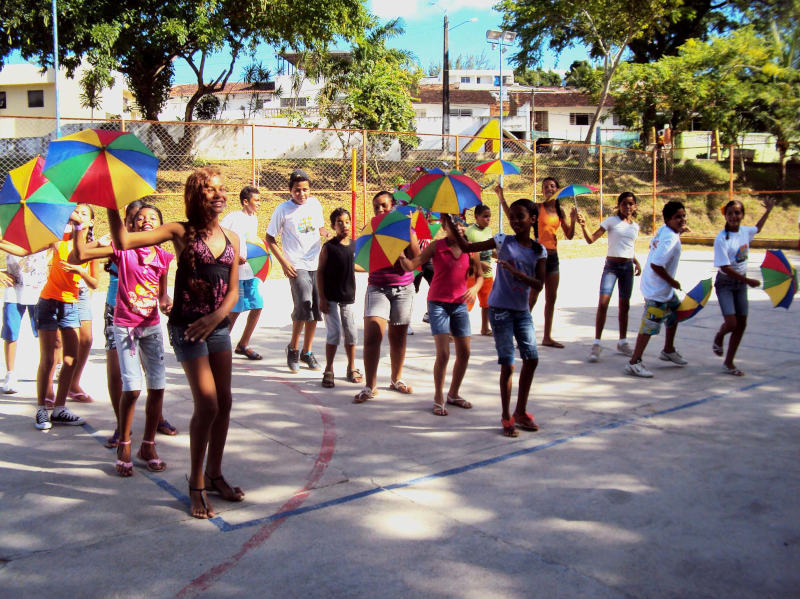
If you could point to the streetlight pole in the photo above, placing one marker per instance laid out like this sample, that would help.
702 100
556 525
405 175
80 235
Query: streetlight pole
446 89
55 67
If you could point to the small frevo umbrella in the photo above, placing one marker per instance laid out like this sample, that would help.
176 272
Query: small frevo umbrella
105 168
419 222
694 301
33 212
498 167
259 259
383 240
780 278
573 190
451 193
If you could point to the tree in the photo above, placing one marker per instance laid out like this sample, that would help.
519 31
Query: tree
257 75
606 26
585 77
536 77
92 83
207 107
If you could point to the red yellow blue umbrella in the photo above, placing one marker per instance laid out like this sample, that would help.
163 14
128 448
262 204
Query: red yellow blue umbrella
33 212
259 259
498 167
419 222
451 192
780 278
694 301
383 240
105 168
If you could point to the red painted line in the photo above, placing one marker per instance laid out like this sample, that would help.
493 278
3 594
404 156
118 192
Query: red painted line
327 446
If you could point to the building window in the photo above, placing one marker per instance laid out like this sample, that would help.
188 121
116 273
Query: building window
615 119
461 112
579 118
466 80
2 100
293 102
35 98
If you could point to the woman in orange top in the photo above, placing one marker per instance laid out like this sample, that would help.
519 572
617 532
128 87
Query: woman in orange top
550 217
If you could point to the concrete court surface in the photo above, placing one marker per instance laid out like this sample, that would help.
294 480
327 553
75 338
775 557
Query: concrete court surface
685 485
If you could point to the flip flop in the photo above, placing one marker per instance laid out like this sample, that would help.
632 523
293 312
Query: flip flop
79 397
249 353
526 422
439 409
732 371
153 465
458 401
400 387
124 469
717 349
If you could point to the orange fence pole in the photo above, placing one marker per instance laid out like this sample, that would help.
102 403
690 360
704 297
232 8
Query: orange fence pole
354 217
730 172
253 152
364 169
535 174
655 183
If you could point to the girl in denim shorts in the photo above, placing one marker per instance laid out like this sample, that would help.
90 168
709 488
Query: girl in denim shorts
731 249
447 307
521 268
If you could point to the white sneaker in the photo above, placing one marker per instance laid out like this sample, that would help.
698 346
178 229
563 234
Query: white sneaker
62 415
594 355
638 369
42 421
673 357
624 348
10 386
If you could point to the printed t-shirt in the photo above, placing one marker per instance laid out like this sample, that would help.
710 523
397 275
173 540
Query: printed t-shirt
246 227
548 224
62 285
137 294
621 236
475 234
734 251
507 292
665 250
299 225
30 274
449 283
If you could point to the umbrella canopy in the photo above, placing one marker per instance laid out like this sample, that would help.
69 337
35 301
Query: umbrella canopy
451 192
401 195
780 278
573 190
105 168
383 240
498 167
259 259
33 212
419 222
694 301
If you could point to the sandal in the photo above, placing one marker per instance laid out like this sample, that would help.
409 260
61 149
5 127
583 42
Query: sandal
208 512
113 440
526 422
354 376
365 394
247 352
732 371
79 397
155 464
439 409
165 428
124 469
227 492
509 430
400 387
717 349
458 401
327 379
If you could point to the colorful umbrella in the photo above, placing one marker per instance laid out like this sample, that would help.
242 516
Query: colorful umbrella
106 168
259 259
451 192
401 195
33 212
498 167
780 278
419 223
573 190
383 240
694 301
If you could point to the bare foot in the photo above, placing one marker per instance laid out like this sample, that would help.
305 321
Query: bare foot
552 343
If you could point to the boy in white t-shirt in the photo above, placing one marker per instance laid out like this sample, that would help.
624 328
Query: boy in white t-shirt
299 222
658 288
244 223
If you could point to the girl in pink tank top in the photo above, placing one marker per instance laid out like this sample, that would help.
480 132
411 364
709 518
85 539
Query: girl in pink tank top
447 308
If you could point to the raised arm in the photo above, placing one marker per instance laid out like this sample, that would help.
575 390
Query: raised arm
768 203
503 204
13 249
590 239
125 240
410 264
81 251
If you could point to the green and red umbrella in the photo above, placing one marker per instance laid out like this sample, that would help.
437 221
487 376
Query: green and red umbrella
419 221
498 167
33 212
259 259
573 190
780 278
105 168
451 193
383 240
694 301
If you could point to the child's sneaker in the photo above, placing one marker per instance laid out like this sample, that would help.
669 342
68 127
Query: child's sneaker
674 357
594 355
62 415
624 348
10 386
293 359
42 421
310 361
638 369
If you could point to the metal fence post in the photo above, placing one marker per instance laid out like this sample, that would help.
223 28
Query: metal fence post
364 169
535 175
654 158
600 166
458 156
354 228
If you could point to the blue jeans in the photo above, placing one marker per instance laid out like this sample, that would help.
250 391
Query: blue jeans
52 315
449 318
731 295
617 271
508 325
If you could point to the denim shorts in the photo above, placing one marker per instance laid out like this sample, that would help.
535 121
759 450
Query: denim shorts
449 318
84 305
304 296
12 320
340 319
657 312
217 342
731 295
145 347
508 325
393 303
52 315
551 265
614 271
249 296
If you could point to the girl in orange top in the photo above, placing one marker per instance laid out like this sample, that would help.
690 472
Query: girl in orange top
550 217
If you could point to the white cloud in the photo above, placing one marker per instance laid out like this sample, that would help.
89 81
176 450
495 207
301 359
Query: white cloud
412 10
